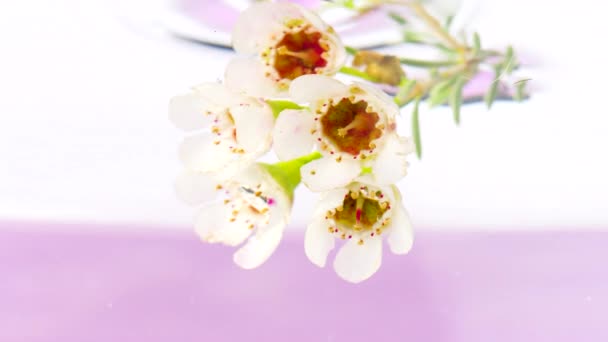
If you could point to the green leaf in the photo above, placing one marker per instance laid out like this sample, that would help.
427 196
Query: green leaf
456 98
448 22
278 106
397 18
351 50
416 129
490 96
440 92
509 62
520 90
403 92
413 37
476 43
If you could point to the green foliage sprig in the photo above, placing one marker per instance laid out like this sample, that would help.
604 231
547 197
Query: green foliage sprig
445 78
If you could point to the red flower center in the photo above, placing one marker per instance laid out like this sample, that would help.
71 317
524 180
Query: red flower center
299 53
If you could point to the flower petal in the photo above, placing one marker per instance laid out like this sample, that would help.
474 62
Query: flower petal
380 96
187 112
391 163
217 95
255 25
330 200
248 76
313 18
195 187
291 135
213 225
254 123
318 242
258 248
309 88
355 262
401 237
201 153
338 56
326 173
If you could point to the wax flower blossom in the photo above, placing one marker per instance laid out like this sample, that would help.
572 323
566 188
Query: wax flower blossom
231 129
278 42
353 127
250 205
361 214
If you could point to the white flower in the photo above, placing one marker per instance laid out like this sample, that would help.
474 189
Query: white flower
249 205
278 43
231 129
361 214
353 127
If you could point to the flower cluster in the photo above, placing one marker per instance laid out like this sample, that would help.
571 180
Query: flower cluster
340 140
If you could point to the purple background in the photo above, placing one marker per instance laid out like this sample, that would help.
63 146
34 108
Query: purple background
67 285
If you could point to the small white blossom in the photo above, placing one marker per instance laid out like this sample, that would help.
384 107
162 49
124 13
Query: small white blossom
353 126
361 214
250 206
231 129
279 42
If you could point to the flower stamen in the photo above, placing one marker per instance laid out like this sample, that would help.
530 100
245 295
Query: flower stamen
360 211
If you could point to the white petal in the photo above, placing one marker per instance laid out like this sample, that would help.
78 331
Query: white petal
187 112
309 88
248 76
313 18
355 262
213 224
318 242
216 94
401 236
338 57
255 175
326 173
254 123
291 135
330 200
258 248
256 24
200 153
195 187
391 162
386 101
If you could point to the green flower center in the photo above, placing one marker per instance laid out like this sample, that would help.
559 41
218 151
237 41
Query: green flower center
360 211
299 53
350 126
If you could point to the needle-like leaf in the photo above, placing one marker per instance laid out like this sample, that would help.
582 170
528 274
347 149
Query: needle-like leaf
456 98
416 129
490 96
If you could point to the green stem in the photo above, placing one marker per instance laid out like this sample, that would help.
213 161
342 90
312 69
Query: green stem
287 173
434 25
403 60
357 73
427 64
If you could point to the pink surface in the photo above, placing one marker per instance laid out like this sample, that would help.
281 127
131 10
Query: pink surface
69 286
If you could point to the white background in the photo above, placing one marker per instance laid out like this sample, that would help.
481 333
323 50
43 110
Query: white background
84 135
